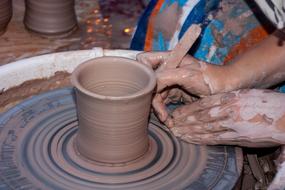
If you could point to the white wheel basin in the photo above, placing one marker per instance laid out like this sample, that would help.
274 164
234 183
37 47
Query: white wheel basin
44 66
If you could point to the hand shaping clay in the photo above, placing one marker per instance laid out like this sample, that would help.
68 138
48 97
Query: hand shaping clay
50 17
5 14
113 101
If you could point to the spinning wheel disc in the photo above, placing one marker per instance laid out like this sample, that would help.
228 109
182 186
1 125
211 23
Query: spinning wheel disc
37 150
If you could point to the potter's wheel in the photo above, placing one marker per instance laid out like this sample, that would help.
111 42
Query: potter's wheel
37 151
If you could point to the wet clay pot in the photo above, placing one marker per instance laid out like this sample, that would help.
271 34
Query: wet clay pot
113 98
50 17
5 14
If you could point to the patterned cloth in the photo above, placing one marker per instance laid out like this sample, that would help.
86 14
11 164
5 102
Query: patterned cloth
274 10
150 37
229 27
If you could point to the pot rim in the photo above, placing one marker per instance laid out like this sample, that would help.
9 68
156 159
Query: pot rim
148 88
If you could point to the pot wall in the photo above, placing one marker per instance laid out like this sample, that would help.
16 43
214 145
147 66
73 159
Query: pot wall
5 14
113 105
50 17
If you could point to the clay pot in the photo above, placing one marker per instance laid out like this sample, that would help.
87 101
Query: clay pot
50 17
5 14
113 97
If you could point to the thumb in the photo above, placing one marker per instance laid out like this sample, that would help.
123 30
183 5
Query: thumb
153 59
171 77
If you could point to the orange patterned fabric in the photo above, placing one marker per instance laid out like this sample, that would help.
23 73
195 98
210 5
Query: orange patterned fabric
149 34
254 36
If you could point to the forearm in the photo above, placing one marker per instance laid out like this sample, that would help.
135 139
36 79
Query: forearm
260 67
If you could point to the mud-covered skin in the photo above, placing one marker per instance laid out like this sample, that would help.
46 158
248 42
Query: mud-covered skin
193 76
260 67
252 118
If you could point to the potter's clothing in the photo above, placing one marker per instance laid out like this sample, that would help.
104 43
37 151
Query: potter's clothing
229 27
226 24
274 10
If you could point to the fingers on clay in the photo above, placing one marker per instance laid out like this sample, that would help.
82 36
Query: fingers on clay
160 107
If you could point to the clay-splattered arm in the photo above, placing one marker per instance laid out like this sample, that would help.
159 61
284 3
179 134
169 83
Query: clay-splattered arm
260 67
250 118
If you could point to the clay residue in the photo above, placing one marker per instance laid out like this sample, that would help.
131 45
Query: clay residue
261 118
14 95
247 118
280 123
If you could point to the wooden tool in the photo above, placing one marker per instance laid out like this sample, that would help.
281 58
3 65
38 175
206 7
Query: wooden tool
182 47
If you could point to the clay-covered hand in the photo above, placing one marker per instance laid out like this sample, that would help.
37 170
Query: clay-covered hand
173 95
193 76
252 118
